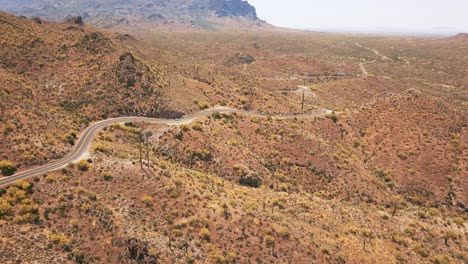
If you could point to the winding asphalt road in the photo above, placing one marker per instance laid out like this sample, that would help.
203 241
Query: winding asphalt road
82 145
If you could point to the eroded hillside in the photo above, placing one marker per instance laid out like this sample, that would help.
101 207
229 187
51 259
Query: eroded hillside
56 78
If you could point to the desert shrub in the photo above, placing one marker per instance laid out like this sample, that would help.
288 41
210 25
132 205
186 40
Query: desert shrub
147 200
85 121
27 218
434 211
153 252
400 240
74 223
7 168
101 148
8 129
325 250
28 212
284 232
443 259
60 240
218 258
197 126
421 250
173 190
16 194
284 187
459 221
402 155
5 208
28 207
202 154
24 185
107 176
269 241
83 165
205 234
410 231
70 137
203 105
422 214
217 115
356 142
92 196
450 234
50 178
333 117
224 258
231 257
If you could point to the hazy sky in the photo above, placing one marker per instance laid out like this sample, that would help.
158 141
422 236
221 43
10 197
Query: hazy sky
388 15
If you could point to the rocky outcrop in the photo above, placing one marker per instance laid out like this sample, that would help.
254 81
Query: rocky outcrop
36 20
75 20
251 179
240 58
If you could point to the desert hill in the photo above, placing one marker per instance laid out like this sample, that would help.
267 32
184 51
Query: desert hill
59 77
461 36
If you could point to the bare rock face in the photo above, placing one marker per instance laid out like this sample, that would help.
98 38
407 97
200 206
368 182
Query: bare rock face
241 8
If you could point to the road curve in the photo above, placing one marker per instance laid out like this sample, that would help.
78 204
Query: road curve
82 145
383 57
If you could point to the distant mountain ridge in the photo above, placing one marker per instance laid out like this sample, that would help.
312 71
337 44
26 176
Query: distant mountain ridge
111 13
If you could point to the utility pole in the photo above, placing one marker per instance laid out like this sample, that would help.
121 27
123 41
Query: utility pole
140 141
303 97
148 134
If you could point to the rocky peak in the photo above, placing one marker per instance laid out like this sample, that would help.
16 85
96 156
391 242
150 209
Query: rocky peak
225 8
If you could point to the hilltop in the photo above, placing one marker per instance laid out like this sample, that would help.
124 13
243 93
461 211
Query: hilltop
462 38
